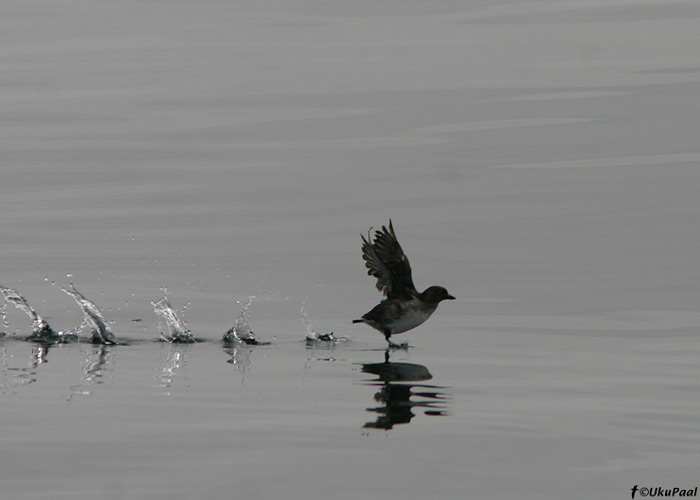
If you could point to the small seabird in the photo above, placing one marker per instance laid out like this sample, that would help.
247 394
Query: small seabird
404 308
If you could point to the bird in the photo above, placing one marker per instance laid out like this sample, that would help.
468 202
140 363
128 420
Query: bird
404 308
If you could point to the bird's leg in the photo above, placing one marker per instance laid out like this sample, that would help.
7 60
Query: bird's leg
387 336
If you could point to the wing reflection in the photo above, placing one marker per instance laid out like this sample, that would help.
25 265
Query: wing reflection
398 396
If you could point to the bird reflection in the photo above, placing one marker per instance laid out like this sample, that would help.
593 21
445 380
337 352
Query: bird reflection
399 394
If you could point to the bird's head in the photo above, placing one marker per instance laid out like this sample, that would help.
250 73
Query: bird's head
435 295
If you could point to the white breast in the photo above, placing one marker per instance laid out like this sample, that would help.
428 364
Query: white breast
409 320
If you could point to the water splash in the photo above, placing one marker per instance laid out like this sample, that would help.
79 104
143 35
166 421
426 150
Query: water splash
11 376
174 361
40 328
240 359
240 331
93 318
312 335
177 331
98 362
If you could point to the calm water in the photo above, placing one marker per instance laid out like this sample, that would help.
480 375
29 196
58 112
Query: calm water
539 160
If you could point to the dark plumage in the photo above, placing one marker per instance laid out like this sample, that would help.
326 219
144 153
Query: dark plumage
404 308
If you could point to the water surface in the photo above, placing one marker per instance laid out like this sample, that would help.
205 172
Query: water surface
539 160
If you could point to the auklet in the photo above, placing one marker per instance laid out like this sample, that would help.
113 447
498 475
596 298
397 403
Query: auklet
404 308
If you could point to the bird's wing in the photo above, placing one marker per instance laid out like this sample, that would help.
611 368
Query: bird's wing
386 261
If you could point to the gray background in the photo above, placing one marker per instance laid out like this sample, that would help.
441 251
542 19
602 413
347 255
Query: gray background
538 159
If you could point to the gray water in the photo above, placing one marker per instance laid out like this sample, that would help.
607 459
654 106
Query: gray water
538 159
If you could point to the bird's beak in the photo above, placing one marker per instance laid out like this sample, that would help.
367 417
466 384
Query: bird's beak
450 297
